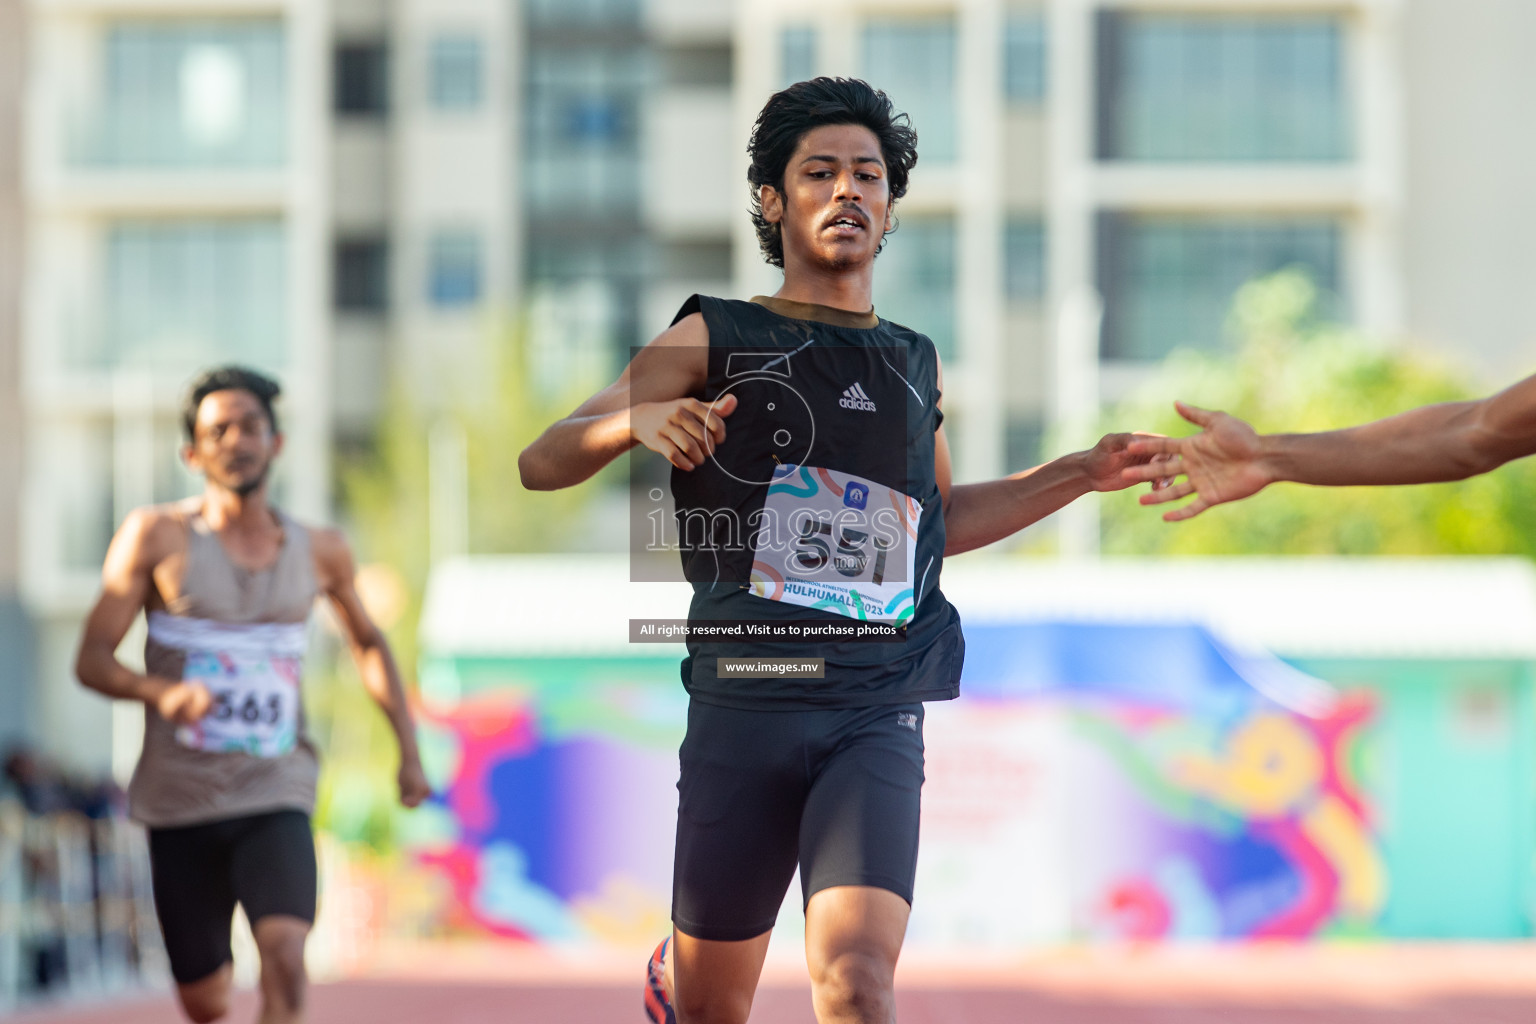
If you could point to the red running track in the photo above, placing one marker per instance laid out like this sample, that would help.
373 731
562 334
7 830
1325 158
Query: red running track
385 1002
1244 985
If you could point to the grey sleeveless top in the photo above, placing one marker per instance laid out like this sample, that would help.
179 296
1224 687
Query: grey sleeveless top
242 634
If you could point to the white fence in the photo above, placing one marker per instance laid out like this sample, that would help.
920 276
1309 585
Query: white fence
76 911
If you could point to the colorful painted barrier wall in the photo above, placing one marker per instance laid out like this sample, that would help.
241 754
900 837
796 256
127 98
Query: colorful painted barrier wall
1096 782
555 821
1135 782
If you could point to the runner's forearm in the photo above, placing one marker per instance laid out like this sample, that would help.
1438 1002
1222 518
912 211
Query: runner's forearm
574 449
1432 444
980 514
381 679
101 671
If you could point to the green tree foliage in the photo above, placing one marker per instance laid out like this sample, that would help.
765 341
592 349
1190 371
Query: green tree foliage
385 498
386 492
1293 373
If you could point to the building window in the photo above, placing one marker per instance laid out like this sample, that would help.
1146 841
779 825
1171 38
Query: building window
797 55
1024 58
458 73
599 13
1024 259
81 504
362 79
583 138
915 279
681 260
696 67
1222 87
196 94
362 275
574 330
180 294
606 271
1022 439
82 507
913 60
454 274
1168 282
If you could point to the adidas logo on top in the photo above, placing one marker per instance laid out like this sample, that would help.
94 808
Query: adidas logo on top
855 398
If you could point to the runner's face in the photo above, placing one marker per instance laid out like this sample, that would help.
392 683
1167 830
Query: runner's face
232 441
836 204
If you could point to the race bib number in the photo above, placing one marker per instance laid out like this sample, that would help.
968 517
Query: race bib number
255 704
253 671
837 542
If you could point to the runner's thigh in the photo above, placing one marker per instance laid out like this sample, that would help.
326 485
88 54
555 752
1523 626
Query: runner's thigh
274 868
194 897
860 825
740 795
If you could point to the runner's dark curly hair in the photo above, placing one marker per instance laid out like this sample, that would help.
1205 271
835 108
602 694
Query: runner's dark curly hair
228 378
789 114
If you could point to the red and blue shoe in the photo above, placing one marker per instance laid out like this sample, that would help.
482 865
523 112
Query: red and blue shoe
658 1008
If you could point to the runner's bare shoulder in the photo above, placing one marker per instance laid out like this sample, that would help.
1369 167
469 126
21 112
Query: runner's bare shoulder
154 534
328 543
149 552
674 364
689 332
332 555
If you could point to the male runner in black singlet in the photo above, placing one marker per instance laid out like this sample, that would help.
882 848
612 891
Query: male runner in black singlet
834 420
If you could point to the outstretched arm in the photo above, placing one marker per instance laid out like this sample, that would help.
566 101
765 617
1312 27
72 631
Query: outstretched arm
1228 461
976 515
375 662
649 404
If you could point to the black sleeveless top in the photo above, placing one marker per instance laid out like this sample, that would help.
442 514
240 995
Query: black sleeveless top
820 507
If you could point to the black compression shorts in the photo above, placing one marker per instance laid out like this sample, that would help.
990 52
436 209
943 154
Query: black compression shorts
265 862
835 790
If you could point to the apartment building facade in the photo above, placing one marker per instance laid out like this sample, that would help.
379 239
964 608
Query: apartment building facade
1098 177
175 216
514 167
368 196
15 628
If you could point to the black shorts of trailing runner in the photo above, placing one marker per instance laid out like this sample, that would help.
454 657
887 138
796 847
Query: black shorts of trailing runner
264 862
835 792
821 505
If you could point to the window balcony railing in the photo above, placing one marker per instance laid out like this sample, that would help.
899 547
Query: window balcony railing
130 137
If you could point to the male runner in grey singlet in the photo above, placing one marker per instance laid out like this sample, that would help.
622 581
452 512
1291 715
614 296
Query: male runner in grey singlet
226 780
824 773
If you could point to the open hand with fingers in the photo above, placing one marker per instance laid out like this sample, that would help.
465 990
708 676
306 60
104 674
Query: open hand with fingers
1221 463
684 431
